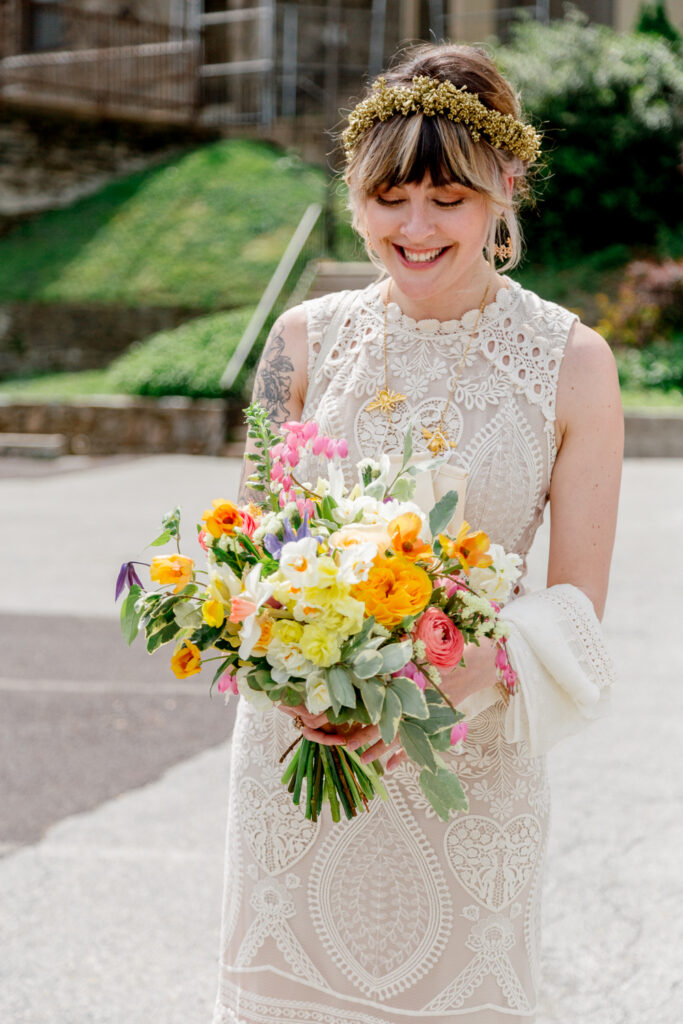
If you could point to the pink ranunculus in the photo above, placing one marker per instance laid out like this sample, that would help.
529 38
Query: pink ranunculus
444 643
201 537
227 683
413 672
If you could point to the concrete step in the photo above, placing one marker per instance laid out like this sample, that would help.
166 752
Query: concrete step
334 276
37 446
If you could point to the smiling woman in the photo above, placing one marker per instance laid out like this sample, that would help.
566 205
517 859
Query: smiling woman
397 915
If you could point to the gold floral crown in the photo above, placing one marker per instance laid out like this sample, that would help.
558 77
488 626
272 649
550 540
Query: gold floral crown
431 97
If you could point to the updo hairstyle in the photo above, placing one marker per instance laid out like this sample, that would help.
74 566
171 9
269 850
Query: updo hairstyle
403 149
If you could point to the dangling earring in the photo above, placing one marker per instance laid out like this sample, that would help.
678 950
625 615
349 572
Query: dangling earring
504 251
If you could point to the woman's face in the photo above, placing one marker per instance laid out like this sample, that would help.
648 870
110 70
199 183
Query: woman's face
430 239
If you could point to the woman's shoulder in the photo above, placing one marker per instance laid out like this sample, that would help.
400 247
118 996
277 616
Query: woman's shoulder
546 318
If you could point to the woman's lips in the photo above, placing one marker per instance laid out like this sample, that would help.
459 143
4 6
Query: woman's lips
421 263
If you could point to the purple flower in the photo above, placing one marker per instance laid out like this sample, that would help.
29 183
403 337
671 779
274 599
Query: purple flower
274 545
127 577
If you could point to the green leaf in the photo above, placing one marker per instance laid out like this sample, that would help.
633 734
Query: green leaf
391 716
163 538
219 672
407 445
130 619
444 792
441 717
357 714
375 490
372 691
442 513
411 697
416 745
367 663
341 687
162 636
395 656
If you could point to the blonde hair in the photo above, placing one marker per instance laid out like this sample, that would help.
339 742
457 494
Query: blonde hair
404 149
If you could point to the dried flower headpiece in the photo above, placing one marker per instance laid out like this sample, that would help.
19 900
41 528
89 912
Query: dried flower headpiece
430 96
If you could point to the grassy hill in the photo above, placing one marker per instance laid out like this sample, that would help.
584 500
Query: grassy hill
205 229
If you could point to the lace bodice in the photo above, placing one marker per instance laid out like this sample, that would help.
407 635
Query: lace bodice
502 413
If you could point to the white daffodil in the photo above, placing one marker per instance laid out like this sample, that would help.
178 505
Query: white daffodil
355 562
245 607
497 581
286 660
298 562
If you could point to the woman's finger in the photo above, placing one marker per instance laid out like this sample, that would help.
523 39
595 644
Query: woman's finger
377 750
360 736
396 759
300 711
327 739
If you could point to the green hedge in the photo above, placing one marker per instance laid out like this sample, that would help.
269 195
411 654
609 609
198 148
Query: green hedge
610 105
188 360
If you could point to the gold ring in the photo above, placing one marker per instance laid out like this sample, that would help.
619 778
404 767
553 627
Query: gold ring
299 722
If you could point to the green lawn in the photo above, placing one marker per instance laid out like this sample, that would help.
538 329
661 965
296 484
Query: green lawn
205 230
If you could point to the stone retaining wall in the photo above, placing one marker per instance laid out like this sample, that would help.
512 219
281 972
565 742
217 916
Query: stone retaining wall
51 337
123 425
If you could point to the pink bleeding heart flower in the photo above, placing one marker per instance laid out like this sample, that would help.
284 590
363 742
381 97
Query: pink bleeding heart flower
444 643
412 672
292 457
458 733
319 445
309 430
342 448
227 683
276 471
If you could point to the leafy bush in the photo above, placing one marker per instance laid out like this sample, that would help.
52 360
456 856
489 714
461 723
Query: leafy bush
188 360
660 365
649 304
609 104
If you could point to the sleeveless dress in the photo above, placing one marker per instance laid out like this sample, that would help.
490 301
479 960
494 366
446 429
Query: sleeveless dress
397 916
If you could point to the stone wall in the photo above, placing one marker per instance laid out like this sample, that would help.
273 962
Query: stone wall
50 337
123 425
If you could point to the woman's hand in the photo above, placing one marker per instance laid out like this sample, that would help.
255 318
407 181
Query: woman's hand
314 726
478 673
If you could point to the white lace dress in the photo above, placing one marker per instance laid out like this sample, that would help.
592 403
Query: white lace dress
398 916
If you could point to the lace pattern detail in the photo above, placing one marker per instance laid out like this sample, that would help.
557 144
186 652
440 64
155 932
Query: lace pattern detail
586 639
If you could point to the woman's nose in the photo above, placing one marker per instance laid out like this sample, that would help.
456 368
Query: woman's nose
418 224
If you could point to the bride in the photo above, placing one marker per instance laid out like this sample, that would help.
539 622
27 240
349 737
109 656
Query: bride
397 916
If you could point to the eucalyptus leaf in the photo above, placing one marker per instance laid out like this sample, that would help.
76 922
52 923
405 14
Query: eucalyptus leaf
372 691
396 656
442 513
411 697
416 745
390 717
130 619
444 792
340 687
367 663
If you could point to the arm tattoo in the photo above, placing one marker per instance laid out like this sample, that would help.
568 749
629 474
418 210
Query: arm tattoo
274 378
273 389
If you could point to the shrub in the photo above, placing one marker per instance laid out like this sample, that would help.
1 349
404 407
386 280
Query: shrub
609 104
648 305
658 366
188 360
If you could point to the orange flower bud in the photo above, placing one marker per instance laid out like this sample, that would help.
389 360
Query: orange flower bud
225 517
172 569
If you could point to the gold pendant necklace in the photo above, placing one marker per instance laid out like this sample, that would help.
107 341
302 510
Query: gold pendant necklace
438 440
385 399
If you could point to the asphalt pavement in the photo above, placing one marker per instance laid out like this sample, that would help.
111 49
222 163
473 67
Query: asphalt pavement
113 775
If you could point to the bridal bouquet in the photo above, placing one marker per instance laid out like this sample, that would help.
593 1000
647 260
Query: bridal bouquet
350 602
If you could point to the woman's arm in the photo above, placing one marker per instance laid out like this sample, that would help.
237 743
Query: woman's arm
584 488
281 378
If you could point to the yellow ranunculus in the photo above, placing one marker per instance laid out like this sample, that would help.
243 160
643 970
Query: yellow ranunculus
394 589
345 617
288 631
213 612
187 660
319 645
172 569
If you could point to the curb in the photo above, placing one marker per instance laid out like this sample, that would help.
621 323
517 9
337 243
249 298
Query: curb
653 436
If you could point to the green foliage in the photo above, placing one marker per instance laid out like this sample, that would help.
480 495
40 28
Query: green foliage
204 230
188 360
609 104
659 366
653 18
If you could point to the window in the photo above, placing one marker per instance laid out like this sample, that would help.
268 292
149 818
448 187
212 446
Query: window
44 25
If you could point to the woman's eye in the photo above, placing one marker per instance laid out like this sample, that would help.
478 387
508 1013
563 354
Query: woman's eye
387 202
448 203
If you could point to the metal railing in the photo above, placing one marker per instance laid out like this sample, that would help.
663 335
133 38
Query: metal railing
101 60
302 249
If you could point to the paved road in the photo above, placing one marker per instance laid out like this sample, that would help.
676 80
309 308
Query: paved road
113 775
